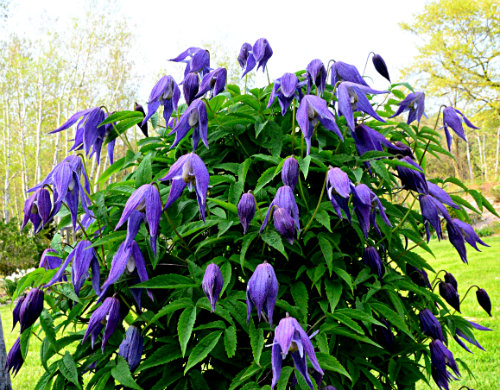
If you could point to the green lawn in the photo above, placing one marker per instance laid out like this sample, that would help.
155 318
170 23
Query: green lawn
483 270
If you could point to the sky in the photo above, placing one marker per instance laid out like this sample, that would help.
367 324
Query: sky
297 31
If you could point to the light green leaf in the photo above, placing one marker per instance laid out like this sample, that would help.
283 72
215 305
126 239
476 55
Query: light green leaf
230 341
67 367
185 327
121 372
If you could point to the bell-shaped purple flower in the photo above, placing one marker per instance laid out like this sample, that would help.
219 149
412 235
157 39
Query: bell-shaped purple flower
17 310
212 284
418 276
352 97
290 337
166 93
194 117
262 52
367 139
457 240
460 332
109 314
449 278
189 170
399 148
372 259
190 87
430 325
262 290
15 358
145 199
284 224
453 118
245 53
31 308
50 261
384 335
246 210
313 110
143 126
440 358
131 347
197 60
338 188
84 258
285 89
414 102
345 72
469 234
380 66
441 195
215 82
366 204
284 199
450 295
316 75
37 209
290 172
484 300
412 179
431 210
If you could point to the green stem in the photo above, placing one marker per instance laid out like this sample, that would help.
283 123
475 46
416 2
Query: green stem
176 232
429 141
293 125
268 78
405 216
437 273
470 288
125 140
317 206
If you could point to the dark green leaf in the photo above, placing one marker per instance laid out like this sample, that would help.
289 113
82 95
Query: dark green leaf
185 327
202 349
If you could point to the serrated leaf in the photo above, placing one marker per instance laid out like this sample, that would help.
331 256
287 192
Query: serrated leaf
273 239
265 178
48 326
247 240
256 341
284 378
230 341
300 297
168 281
333 293
202 349
344 276
160 356
185 327
121 372
67 367
327 250
330 363
228 206
144 173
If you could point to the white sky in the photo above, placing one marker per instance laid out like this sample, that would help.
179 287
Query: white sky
297 31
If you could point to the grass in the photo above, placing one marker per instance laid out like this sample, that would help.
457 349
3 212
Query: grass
483 270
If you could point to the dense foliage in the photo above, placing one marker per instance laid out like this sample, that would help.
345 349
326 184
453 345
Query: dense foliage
301 211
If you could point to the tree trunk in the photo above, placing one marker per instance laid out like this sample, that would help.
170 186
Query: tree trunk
471 173
497 152
484 159
7 162
480 156
4 374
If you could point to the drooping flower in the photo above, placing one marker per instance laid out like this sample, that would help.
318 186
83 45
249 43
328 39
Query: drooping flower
316 75
212 284
262 52
412 179
131 347
414 102
430 325
84 258
399 148
484 300
366 204
246 210
49 261
418 276
384 334
338 188
284 199
467 335
380 66
194 117
313 110
450 295
352 97
197 60
441 195
431 208
109 314
284 224
372 259
262 290
469 234
189 170
17 311
166 93
31 308
290 337
37 209
345 72
441 357
367 139
244 55
290 172
285 89
15 358
143 126
190 87
145 199
457 240
452 119
449 278
215 82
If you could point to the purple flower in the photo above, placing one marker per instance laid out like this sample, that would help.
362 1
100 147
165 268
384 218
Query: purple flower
400 148
412 179
142 126
367 139
484 300
372 259
431 209
49 261
215 82
84 257
440 358
430 325
290 337
31 308
346 72
262 52
441 195
352 97
17 311
246 210
284 224
37 209
316 75
131 347
147 200
109 314
246 59
212 284
469 234
197 60
418 276
290 172
458 233
191 171
338 188
460 332
449 278
384 334
286 88
166 92
366 204
450 295
262 290
15 358
190 87
414 102
284 199
312 110
380 66
452 119
194 117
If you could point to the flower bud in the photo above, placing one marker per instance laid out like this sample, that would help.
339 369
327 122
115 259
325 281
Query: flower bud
284 224
31 308
449 278
212 284
380 66
131 347
246 210
262 290
450 295
16 311
15 358
418 276
372 259
484 300
144 125
190 87
290 172
430 325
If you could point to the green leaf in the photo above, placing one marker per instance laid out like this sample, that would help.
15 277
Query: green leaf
160 356
230 341
348 322
300 297
228 206
24 342
265 178
344 276
121 127
168 281
304 165
284 378
185 327
48 326
330 363
273 239
121 372
256 341
144 173
67 367
121 115
327 250
393 317
202 349
247 240
333 293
